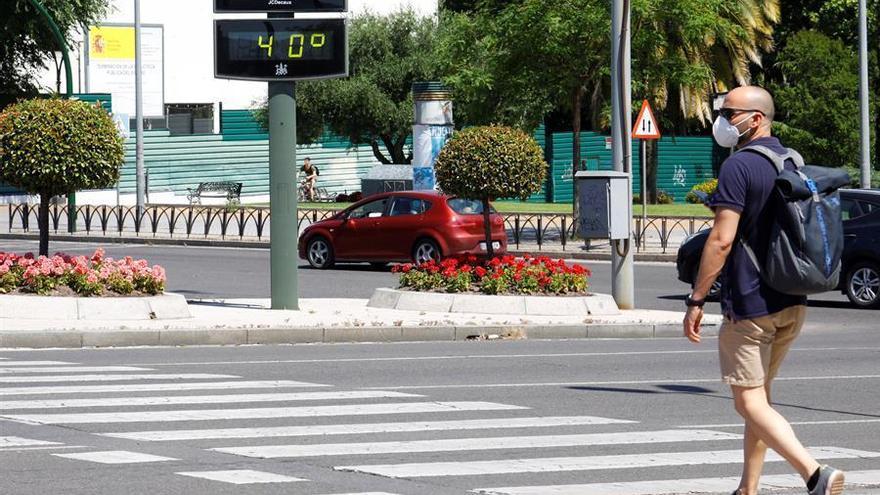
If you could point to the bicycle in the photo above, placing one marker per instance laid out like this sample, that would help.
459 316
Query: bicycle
319 194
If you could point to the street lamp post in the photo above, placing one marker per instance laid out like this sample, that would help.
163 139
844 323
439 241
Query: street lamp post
864 96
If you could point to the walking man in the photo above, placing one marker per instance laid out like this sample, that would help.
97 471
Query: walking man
760 323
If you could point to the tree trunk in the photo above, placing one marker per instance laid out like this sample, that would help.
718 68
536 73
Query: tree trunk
487 228
577 103
374 144
43 222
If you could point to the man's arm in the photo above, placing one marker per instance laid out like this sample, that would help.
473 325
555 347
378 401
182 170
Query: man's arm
715 254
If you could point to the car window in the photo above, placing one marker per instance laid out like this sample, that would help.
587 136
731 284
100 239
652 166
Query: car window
869 207
373 209
409 206
849 209
467 206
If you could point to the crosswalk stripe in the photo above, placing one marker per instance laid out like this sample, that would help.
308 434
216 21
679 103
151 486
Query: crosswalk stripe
241 476
199 399
360 428
116 457
260 413
23 442
672 487
156 387
559 464
112 378
366 493
472 444
45 447
34 363
70 369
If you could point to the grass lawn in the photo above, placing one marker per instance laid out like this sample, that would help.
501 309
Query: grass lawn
683 210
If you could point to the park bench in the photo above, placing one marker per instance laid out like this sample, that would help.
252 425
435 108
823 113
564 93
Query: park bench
231 191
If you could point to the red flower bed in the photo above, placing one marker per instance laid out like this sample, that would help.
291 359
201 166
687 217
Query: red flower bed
80 275
506 275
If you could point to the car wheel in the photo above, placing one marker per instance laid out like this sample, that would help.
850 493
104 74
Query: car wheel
714 291
319 252
863 285
426 250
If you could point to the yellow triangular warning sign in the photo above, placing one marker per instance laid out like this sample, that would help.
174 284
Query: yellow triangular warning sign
646 125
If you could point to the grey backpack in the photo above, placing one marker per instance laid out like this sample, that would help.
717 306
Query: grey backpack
806 241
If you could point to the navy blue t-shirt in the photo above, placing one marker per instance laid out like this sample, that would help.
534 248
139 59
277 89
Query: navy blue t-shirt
745 184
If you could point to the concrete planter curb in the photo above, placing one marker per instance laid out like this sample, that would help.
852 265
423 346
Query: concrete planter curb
402 300
161 307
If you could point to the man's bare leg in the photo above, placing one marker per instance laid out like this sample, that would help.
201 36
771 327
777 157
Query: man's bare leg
754 451
772 429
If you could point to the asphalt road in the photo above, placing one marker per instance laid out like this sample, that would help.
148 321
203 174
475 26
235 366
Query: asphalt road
244 273
639 413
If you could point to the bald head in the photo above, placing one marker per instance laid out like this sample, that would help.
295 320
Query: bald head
752 98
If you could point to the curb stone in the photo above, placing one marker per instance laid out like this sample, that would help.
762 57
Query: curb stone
265 336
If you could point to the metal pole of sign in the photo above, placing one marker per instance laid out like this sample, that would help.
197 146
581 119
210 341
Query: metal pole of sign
622 281
68 74
864 96
643 162
283 227
139 114
283 201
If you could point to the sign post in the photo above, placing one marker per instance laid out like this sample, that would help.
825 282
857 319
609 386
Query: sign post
281 50
646 128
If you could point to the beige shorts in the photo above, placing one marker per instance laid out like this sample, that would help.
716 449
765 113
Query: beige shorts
751 351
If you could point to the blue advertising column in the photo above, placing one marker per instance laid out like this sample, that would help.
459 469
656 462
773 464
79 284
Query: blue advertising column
433 127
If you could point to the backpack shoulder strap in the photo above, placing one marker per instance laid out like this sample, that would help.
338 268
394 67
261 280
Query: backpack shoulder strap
778 160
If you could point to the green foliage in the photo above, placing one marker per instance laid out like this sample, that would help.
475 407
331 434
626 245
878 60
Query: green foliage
51 147
664 198
491 162
374 106
707 187
818 103
26 41
855 175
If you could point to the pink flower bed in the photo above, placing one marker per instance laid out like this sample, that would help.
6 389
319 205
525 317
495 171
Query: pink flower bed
84 276
505 275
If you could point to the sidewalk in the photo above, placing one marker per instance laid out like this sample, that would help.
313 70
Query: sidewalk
249 321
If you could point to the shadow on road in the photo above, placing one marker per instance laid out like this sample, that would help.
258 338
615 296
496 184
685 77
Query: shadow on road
705 392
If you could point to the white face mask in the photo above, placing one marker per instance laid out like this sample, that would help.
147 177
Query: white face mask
726 134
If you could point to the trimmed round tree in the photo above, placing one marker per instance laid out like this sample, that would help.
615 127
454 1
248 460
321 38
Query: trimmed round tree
52 147
489 163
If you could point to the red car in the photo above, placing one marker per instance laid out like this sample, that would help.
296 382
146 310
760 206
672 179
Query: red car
401 226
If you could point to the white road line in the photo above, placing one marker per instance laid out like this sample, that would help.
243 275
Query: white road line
619 382
560 464
672 487
156 387
71 369
361 428
34 363
483 356
802 423
115 457
199 399
50 447
23 442
241 476
473 444
112 378
261 413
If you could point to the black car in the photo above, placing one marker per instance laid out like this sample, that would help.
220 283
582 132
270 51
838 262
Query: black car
860 279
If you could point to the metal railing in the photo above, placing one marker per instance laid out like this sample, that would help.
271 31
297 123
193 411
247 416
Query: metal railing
551 231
